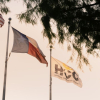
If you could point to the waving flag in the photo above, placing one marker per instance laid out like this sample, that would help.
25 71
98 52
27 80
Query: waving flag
25 44
64 72
1 21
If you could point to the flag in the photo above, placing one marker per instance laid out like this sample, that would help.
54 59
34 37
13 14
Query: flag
1 21
25 44
64 72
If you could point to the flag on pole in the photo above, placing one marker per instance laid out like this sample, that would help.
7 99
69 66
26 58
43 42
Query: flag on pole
1 21
25 44
64 72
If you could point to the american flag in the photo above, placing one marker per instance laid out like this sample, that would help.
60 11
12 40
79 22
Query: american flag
1 21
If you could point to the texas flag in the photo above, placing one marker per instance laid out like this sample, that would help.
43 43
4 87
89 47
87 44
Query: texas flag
25 44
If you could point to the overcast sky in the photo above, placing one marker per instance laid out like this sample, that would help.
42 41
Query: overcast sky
28 79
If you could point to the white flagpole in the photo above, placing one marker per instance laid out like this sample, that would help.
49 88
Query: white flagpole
50 98
5 74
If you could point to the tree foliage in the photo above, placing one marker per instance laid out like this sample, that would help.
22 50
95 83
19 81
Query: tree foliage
79 19
3 7
77 22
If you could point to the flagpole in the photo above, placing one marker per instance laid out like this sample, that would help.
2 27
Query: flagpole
50 98
5 74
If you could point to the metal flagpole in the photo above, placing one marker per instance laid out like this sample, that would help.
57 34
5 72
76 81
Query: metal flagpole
50 75
5 74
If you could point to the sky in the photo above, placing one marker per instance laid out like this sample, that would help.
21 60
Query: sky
28 79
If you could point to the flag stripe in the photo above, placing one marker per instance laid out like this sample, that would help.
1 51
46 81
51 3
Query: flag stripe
34 43
35 52
1 23
1 20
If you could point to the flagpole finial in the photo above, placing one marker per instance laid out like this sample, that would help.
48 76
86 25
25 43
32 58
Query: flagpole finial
51 46
9 20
